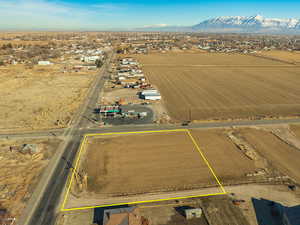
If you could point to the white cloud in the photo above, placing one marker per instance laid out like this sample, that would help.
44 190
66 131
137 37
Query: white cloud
156 25
109 6
42 14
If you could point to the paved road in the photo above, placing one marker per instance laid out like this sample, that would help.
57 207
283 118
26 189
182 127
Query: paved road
82 130
34 134
42 207
204 125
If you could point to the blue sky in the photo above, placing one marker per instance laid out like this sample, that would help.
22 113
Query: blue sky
128 14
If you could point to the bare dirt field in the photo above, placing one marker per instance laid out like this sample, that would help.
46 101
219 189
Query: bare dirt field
145 162
280 155
127 95
20 171
220 87
287 56
296 130
138 167
229 163
39 98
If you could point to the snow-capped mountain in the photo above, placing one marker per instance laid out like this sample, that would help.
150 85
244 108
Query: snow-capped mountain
255 23
236 24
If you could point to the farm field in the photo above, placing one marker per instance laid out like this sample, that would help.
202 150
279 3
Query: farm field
206 59
291 57
39 98
221 87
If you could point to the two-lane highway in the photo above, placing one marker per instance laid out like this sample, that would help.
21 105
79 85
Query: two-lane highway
42 207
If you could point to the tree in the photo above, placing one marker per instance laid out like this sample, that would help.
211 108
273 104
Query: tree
98 63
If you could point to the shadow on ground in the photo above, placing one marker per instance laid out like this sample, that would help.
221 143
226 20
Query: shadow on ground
273 213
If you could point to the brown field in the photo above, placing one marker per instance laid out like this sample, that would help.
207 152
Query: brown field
296 130
282 156
37 98
157 163
21 172
292 57
247 87
229 163
145 163
138 167
214 59
16 42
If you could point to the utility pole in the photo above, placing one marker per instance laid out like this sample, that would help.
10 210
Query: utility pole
70 166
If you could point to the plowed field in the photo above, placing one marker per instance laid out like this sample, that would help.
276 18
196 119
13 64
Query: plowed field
219 86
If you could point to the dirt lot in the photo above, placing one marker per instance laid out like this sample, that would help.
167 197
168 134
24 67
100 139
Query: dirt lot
283 157
199 86
21 171
229 163
127 95
145 162
257 200
287 56
296 130
39 98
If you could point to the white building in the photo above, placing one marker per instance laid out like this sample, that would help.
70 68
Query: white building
152 91
150 95
44 63
90 58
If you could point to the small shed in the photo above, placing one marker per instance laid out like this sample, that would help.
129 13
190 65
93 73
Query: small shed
193 213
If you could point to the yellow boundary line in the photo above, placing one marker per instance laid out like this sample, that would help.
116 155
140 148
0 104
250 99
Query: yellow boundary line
146 201
206 161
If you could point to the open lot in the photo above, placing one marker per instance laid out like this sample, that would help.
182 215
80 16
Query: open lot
167 165
20 171
152 165
145 162
281 156
220 87
228 161
39 98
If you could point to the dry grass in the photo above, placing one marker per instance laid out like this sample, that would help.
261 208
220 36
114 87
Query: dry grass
248 87
37 98
21 171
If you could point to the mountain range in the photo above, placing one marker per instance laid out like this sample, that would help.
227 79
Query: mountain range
238 24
